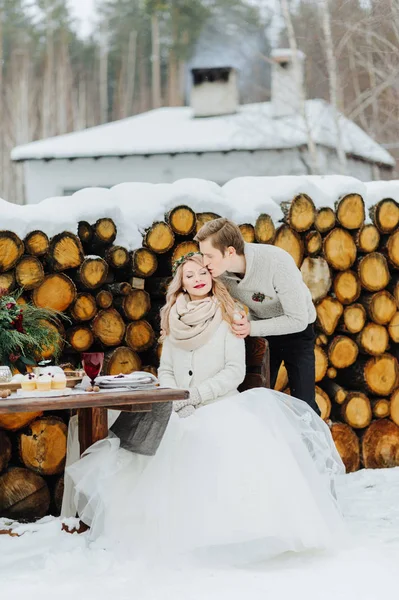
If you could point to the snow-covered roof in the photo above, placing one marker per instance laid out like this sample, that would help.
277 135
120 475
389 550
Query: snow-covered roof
175 131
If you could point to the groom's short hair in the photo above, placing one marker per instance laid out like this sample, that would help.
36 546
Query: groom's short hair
223 233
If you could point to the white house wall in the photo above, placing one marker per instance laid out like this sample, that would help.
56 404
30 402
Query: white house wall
62 177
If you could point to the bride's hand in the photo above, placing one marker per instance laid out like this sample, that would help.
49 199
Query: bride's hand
242 328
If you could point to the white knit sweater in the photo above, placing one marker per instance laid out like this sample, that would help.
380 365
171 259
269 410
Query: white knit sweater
214 370
284 302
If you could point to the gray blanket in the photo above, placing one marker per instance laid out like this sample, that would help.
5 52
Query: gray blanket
142 432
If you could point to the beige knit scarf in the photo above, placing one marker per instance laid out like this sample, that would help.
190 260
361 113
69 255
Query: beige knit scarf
193 322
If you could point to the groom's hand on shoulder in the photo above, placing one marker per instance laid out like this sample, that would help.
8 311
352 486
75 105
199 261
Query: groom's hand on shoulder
242 328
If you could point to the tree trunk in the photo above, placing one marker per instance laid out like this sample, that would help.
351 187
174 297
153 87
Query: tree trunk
380 307
336 393
339 249
93 272
80 337
121 360
57 291
321 363
15 421
144 262
289 240
354 319
203 218
108 327
329 311
394 406
24 495
380 445
342 352
356 410
381 408
347 287
37 243
325 220
350 211
183 249
182 220
385 215
29 272
7 281
5 450
367 238
159 238
348 446
11 250
140 336
117 257
265 230
156 63
393 328
247 232
373 339
323 402
373 272
300 212
104 299
104 231
135 305
313 243
317 276
84 308
391 248
377 375
65 252
42 447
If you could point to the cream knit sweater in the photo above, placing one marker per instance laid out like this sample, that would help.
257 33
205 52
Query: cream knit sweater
279 301
213 371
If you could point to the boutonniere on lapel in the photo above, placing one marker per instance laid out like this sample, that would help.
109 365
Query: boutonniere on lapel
258 297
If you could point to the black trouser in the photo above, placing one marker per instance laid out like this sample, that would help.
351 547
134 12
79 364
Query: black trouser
297 352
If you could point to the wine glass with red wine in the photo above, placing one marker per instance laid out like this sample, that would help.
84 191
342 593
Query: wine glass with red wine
92 364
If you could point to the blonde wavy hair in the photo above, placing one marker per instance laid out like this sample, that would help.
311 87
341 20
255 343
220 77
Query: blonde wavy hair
175 288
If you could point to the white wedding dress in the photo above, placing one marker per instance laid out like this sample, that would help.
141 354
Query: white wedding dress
241 480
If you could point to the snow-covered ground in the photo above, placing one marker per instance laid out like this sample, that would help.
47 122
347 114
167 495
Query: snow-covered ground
50 564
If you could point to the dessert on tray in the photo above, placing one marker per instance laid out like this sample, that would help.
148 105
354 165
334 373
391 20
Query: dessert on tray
28 383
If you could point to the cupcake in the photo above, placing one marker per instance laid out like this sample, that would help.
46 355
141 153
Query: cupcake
28 383
43 383
58 381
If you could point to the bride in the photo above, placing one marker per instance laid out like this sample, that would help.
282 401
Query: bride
245 477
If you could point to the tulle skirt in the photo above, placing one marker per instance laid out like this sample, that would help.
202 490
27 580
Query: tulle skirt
240 480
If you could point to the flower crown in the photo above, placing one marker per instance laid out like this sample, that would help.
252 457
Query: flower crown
182 260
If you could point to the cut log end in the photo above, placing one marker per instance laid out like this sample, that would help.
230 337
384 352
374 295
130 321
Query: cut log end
109 327
329 311
247 232
348 446
347 287
42 447
37 243
159 238
65 252
183 249
265 230
373 272
302 213
105 231
182 220
24 495
380 445
11 250
140 336
340 249
323 402
29 272
368 238
356 410
57 291
385 215
342 352
316 274
93 272
84 308
290 241
321 363
121 360
350 211
373 339
325 220
354 318
144 262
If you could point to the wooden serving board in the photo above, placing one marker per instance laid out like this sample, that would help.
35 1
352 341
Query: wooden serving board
71 382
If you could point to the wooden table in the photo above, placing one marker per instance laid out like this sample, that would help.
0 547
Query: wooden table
92 407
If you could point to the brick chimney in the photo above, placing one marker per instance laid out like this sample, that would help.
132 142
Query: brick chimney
214 91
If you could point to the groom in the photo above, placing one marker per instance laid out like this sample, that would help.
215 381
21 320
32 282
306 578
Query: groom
266 279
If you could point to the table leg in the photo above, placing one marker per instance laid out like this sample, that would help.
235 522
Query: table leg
93 426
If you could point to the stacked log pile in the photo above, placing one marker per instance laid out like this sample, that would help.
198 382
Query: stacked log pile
113 297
